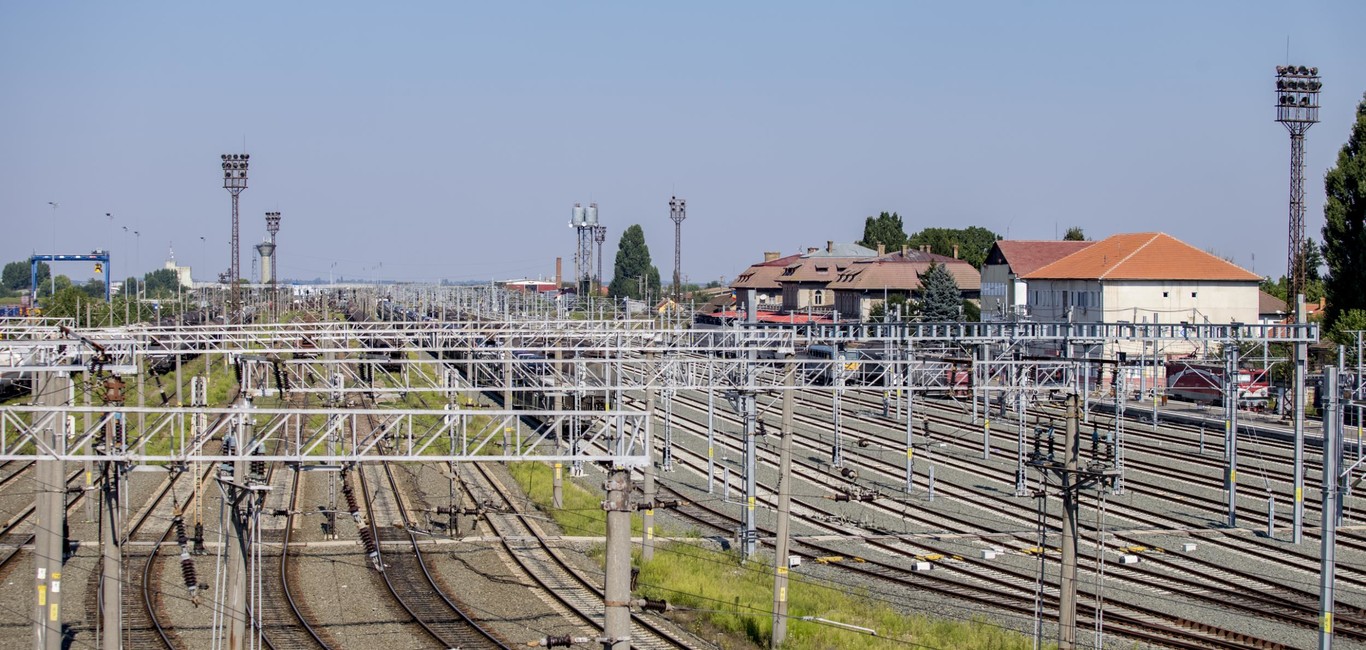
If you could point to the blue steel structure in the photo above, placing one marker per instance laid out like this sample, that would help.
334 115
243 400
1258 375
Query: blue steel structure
101 257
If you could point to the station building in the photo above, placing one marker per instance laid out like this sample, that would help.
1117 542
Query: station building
867 283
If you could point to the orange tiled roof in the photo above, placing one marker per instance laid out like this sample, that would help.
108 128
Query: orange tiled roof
1142 256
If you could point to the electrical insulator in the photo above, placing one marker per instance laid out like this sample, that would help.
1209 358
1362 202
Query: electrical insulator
367 539
198 538
180 537
350 495
864 442
841 496
653 605
849 473
119 433
191 580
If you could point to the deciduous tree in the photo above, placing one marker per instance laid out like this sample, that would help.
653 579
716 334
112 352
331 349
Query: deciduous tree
1344 228
885 229
973 242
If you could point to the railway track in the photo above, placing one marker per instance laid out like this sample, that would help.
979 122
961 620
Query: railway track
409 580
527 545
991 586
1225 586
285 622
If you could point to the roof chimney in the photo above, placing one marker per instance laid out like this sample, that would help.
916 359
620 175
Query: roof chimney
811 249
905 248
881 249
924 248
829 245
769 256
559 273
955 251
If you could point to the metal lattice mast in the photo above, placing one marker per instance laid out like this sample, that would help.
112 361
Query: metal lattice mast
234 181
1297 107
599 236
272 227
678 211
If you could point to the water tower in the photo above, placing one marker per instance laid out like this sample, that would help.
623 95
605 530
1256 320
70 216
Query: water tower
266 250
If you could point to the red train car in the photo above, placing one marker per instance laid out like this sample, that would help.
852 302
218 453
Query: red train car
1198 381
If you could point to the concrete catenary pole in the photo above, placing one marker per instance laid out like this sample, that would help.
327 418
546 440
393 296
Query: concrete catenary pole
748 413
1332 437
111 526
647 520
1067 589
1231 431
237 493
52 389
557 486
1301 364
616 631
780 552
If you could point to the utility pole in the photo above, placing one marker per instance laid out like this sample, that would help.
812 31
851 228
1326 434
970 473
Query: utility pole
1072 479
111 524
237 496
1332 439
780 552
1067 596
53 389
616 631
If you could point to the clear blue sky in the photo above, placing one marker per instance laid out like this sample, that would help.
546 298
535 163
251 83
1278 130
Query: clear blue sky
449 140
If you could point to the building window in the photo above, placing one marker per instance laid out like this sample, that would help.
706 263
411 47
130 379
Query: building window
1192 294
1164 294
820 297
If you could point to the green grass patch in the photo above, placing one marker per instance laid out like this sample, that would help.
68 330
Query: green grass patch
736 597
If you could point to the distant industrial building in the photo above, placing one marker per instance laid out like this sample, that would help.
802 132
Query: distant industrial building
182 273
532 286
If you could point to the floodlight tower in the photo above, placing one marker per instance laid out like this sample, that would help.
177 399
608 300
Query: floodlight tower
678 211
272 227
1297 107
599 236
234 181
